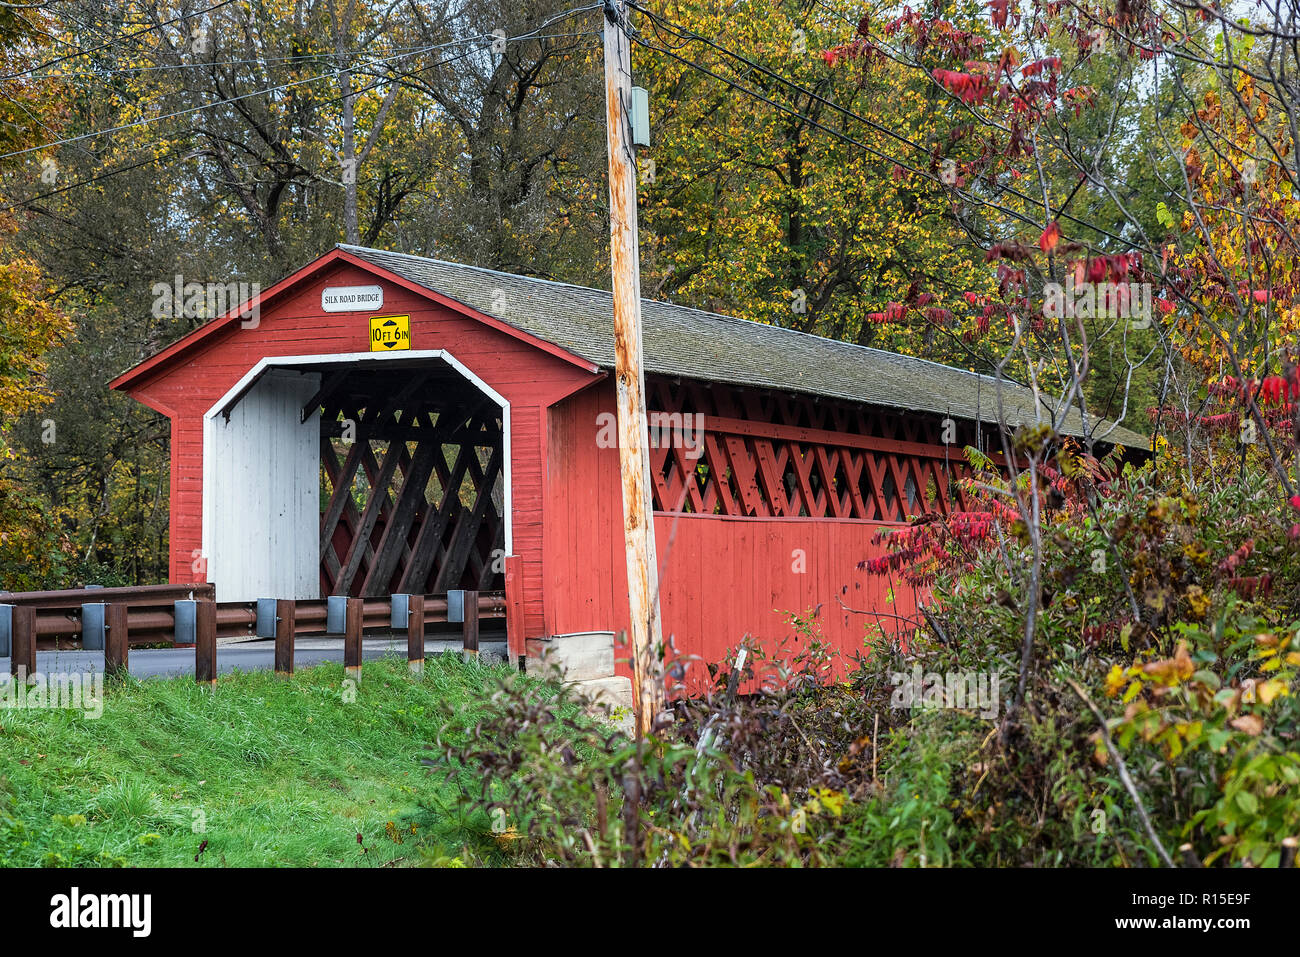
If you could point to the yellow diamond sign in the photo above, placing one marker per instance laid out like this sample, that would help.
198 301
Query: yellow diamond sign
390 333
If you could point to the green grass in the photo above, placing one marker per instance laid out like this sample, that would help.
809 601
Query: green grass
268 771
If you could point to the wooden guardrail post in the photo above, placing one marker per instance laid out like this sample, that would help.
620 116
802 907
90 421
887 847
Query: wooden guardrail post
22 660
205 643
515 646
352 638
469 627
285 621
415 633
116 639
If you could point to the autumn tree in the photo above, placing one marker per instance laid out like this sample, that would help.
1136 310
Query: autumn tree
30 540
771 191
1206 290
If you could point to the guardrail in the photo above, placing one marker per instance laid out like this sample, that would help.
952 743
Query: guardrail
59 613
114 619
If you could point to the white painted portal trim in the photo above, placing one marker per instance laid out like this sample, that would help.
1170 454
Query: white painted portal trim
360 358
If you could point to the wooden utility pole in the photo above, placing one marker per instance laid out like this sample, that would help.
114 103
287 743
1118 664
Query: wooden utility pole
645 636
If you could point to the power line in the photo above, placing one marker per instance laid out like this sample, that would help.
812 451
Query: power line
105 46
87 182
233 99
201 64
533 34
925 174
690 35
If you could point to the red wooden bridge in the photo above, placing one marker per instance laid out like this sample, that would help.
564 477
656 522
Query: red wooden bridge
310 459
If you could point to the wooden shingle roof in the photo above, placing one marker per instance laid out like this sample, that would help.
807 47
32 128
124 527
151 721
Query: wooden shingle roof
692 343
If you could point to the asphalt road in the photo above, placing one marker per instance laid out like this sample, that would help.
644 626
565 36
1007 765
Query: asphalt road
242 656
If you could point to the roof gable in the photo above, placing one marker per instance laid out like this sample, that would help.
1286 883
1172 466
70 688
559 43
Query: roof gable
207 332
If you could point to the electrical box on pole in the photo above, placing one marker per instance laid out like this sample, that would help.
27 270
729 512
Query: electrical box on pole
640 116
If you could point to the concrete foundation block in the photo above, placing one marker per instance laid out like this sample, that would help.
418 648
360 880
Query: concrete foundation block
615 691
583 656
585 662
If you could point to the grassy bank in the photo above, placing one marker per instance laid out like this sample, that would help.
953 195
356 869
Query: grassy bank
267 771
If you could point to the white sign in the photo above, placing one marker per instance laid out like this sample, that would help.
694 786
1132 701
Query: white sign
352 298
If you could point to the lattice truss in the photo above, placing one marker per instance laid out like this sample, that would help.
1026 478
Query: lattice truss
760 454
414 502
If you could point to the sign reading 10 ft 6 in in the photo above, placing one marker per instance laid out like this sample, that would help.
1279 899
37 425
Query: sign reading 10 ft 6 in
390 333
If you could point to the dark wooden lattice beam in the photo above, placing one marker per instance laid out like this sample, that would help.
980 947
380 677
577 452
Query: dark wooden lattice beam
467 525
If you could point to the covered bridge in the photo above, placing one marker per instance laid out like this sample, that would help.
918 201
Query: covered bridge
388 423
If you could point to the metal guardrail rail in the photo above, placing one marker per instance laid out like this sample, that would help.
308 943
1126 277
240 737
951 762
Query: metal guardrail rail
114 619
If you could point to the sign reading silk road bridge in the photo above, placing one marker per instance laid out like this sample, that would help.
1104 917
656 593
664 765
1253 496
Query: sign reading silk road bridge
351 298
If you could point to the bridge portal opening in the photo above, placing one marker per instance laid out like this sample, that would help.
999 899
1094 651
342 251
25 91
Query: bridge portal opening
356 475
